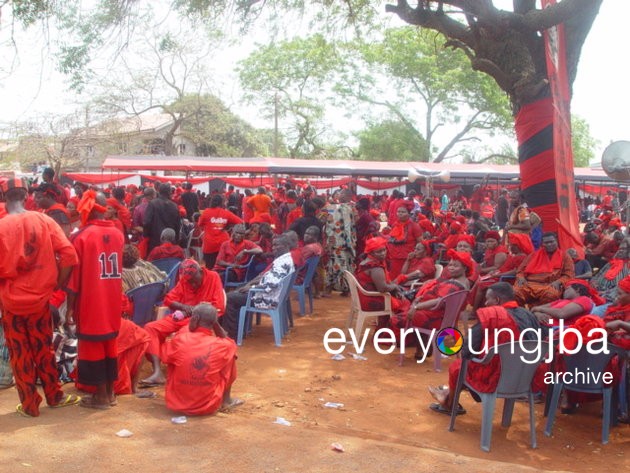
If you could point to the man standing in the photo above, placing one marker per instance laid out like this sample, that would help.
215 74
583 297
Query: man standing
36 258
201 366
189 200
340 243
161 213
502 216
94 295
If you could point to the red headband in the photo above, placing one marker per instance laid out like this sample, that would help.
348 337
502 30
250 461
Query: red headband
463 258
375 244
87 204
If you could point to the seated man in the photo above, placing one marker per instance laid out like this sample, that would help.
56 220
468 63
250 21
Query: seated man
542 275
583 269
500 317
268 280
196 285
167 248
201 366
235 252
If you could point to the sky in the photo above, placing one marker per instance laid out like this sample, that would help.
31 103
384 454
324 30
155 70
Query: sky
601 91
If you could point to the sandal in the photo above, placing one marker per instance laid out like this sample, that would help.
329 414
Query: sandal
437 407
234 403
90 403
68 400
20 410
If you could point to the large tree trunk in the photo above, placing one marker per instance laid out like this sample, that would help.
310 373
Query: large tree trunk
509 47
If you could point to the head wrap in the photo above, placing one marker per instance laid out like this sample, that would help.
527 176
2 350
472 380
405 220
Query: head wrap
461 219
583 325
624 284
189 268
493 235
470 239
592 292
523 241
112 202
375 244
87 204
463 258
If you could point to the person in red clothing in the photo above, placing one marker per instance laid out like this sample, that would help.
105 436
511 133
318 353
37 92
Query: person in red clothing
236 252
195 285
495 254
261 203
579 298
94 298
36 258
168 248
201 366
46 199
617 316
418 266
402 240
214 221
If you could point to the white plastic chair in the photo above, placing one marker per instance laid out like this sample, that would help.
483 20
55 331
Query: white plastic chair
438 272
356 310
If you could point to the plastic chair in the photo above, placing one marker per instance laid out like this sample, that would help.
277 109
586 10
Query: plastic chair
305 287
356 310
250 270
166 264
594 365
173 276
144 299
453 305
279 315
514 382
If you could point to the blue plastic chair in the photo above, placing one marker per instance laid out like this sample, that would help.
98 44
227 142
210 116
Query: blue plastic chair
585 362
173 276
514 382
250 273
306 286
166 264
144 299
279 315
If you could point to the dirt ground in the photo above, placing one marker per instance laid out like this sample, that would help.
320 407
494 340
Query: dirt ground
385 424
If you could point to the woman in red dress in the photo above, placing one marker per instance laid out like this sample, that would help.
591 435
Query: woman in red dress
402 240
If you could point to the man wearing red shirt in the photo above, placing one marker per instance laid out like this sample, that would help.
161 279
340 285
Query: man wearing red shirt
261 203
168 248
236 252
36 258
45 199
201 366
196 285
94 293
214 221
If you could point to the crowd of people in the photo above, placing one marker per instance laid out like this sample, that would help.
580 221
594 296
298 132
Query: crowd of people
73 255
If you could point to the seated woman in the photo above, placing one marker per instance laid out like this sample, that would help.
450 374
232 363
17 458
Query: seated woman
579 298
495 254
608 277
423 313
372 274
419 266
263 237
465 244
